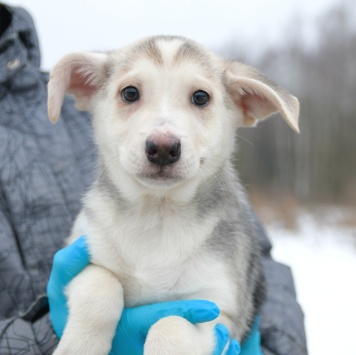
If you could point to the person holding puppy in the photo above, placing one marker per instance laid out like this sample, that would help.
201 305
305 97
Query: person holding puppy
44 172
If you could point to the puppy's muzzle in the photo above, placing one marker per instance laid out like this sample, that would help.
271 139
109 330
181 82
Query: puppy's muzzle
163 150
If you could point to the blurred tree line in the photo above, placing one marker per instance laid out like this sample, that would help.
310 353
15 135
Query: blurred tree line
319 164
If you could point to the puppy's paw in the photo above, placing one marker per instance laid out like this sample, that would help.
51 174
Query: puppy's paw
176 336
95 301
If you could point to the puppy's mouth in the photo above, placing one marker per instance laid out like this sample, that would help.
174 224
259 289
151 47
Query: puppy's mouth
161 175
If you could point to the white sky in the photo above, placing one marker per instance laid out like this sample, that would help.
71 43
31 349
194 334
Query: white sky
71 25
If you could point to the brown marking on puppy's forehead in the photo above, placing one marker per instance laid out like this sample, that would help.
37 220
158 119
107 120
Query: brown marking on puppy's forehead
148 49
126 58
189 50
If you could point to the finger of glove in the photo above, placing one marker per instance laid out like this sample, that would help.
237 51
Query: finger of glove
57 306
252 344
58 315
69 262
221 338
234 348
256 324
143 317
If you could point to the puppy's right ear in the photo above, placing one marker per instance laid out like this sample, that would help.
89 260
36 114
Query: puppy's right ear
258 97
80 74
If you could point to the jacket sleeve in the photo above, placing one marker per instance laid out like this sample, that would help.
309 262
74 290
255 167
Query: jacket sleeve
30 333
282 319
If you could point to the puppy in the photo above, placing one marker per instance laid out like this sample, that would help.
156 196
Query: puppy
167 218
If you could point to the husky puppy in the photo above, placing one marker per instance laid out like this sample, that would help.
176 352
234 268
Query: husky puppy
167 218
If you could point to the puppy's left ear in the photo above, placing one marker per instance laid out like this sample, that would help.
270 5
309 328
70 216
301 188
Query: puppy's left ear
258 97
80 74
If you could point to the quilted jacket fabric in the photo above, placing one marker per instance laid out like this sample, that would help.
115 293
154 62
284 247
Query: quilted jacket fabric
44 171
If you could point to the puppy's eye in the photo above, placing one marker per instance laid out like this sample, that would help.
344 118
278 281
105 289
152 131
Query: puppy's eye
130 94
200 98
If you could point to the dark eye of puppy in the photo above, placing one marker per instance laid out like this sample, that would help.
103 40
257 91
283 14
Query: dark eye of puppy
130 94
200 98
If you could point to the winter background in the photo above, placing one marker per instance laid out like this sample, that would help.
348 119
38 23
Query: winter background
303 186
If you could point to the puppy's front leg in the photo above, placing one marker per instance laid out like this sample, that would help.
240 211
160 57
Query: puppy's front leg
95 302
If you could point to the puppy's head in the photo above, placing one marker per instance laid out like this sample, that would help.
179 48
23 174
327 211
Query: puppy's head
165 109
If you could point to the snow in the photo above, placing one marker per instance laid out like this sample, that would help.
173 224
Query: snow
322 255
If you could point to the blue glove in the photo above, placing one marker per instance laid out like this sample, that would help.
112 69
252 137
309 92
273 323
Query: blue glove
135 322
67 263
252 344
222 338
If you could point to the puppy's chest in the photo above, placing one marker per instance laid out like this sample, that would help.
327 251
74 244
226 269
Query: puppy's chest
157 255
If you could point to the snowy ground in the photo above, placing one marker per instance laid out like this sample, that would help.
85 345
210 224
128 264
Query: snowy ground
322 254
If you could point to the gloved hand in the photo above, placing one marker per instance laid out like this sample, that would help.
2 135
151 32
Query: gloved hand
67 263
252 344
222 338
135 322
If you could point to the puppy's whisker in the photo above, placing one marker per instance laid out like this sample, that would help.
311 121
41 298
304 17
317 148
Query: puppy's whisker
245 139
214 175
107 166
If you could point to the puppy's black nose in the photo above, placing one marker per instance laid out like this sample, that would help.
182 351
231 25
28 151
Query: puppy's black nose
163 151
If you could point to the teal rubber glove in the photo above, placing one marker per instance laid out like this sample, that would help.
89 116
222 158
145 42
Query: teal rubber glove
67 263
252 344
222 338
135 322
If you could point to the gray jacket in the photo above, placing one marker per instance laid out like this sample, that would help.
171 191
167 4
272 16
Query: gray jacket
44 171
